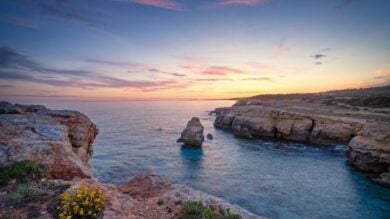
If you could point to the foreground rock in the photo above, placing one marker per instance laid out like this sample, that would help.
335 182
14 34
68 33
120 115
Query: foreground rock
60 139
368 139
147 196
192 135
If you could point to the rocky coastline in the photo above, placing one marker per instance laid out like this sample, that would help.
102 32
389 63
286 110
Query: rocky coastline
365 131
61 140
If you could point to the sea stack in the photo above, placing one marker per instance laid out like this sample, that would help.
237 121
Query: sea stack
192 135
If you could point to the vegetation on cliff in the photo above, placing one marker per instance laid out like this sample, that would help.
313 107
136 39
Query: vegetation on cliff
22 171
196 210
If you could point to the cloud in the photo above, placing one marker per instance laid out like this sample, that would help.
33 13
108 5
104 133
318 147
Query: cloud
19 67
325 50
69 10
320 55
122 64
39 95
166 4
177 74
343 4
225 3
9 58
382 74
19 21
153 70
6 86
257 79
164 72
211 79
221 70
91 83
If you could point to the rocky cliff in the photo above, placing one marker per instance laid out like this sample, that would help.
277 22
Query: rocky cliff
60 139
368 139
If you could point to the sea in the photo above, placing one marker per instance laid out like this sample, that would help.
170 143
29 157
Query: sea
275 179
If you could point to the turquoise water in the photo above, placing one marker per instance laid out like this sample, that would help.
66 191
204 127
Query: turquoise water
270 178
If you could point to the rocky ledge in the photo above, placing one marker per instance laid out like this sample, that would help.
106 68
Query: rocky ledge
61 140
151 196
368 139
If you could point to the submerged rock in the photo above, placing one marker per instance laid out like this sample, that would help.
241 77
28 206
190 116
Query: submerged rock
192 135
60 139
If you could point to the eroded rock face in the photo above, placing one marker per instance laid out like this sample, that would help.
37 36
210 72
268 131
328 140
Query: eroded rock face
368 141
59 139
192 135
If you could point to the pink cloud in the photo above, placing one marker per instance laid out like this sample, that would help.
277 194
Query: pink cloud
212 70
224 3
382 74
382 77
167 4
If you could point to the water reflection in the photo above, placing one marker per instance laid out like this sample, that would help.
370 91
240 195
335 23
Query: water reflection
191 153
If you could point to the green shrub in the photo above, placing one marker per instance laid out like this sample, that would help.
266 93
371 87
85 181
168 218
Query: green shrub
22 171
196 210
193 210
209 213
231 216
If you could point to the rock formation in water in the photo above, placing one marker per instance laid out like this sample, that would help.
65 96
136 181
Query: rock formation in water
192 135
368 139
209 136
60 139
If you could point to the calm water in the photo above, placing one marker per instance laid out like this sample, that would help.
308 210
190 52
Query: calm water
274 179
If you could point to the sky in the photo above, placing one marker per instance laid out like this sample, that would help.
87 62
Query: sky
182 49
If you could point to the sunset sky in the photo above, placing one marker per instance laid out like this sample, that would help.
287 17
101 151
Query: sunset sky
176 49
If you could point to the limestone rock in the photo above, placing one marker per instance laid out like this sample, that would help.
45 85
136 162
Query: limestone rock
145 186
62 140
192 135
368 141
328 131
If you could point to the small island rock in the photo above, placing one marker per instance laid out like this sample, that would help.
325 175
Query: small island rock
209 136
192 135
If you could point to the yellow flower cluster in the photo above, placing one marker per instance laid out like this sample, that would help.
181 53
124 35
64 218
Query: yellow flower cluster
81 201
